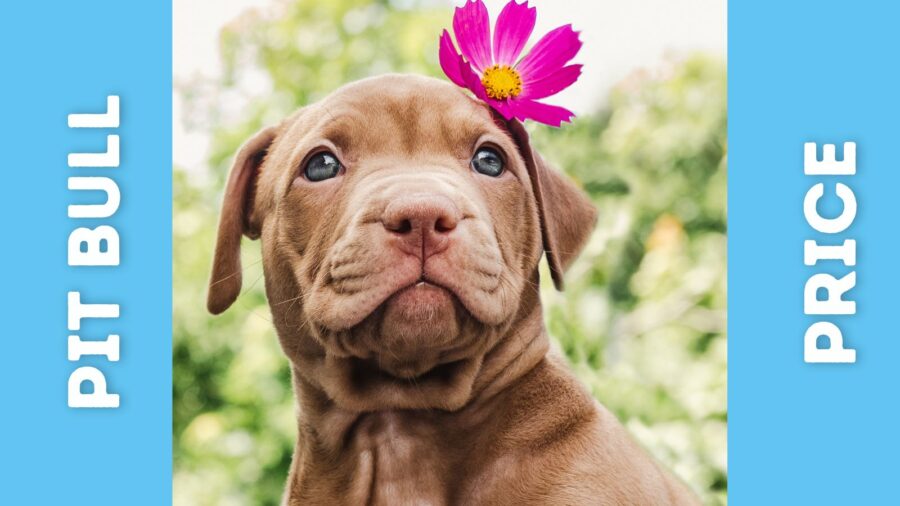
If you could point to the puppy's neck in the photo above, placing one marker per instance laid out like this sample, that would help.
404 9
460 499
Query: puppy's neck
513 357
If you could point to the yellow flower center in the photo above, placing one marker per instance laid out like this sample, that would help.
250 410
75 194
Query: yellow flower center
501 82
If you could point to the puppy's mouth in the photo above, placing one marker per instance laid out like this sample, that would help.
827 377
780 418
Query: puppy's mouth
421 301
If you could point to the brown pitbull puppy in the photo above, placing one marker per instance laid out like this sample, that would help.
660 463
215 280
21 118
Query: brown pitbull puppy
402 224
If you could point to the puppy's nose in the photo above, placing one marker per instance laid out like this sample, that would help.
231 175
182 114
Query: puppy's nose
421 224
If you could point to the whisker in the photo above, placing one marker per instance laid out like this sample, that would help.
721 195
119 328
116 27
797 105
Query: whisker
235 273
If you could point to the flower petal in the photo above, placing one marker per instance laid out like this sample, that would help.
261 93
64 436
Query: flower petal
542 113
551 53
473 82
472 28
551 84
502 107
511 31
451 61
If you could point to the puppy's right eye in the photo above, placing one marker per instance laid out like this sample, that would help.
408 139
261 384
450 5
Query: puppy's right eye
322 166
487 161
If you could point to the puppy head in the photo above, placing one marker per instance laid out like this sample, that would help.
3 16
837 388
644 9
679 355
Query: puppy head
402 224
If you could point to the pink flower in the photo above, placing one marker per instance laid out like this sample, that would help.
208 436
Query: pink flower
495 73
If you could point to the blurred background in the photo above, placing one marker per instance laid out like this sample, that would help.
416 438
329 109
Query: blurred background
643 318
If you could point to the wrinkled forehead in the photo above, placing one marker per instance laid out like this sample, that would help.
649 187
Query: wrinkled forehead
400 115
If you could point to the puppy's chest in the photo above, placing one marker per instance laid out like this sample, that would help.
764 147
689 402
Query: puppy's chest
399 462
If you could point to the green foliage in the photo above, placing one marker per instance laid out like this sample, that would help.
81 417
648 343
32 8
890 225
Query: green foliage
643 318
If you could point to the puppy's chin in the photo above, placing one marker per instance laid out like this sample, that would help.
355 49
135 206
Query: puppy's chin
419 349
419 324
420 314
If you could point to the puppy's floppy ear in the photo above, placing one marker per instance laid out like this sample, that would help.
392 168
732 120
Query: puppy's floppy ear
567 215
236 219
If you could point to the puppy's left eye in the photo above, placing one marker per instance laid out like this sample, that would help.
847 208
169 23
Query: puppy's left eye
322 166
487 161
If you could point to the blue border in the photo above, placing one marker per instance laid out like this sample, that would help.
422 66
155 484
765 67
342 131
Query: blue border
798 433
61 58
825 72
